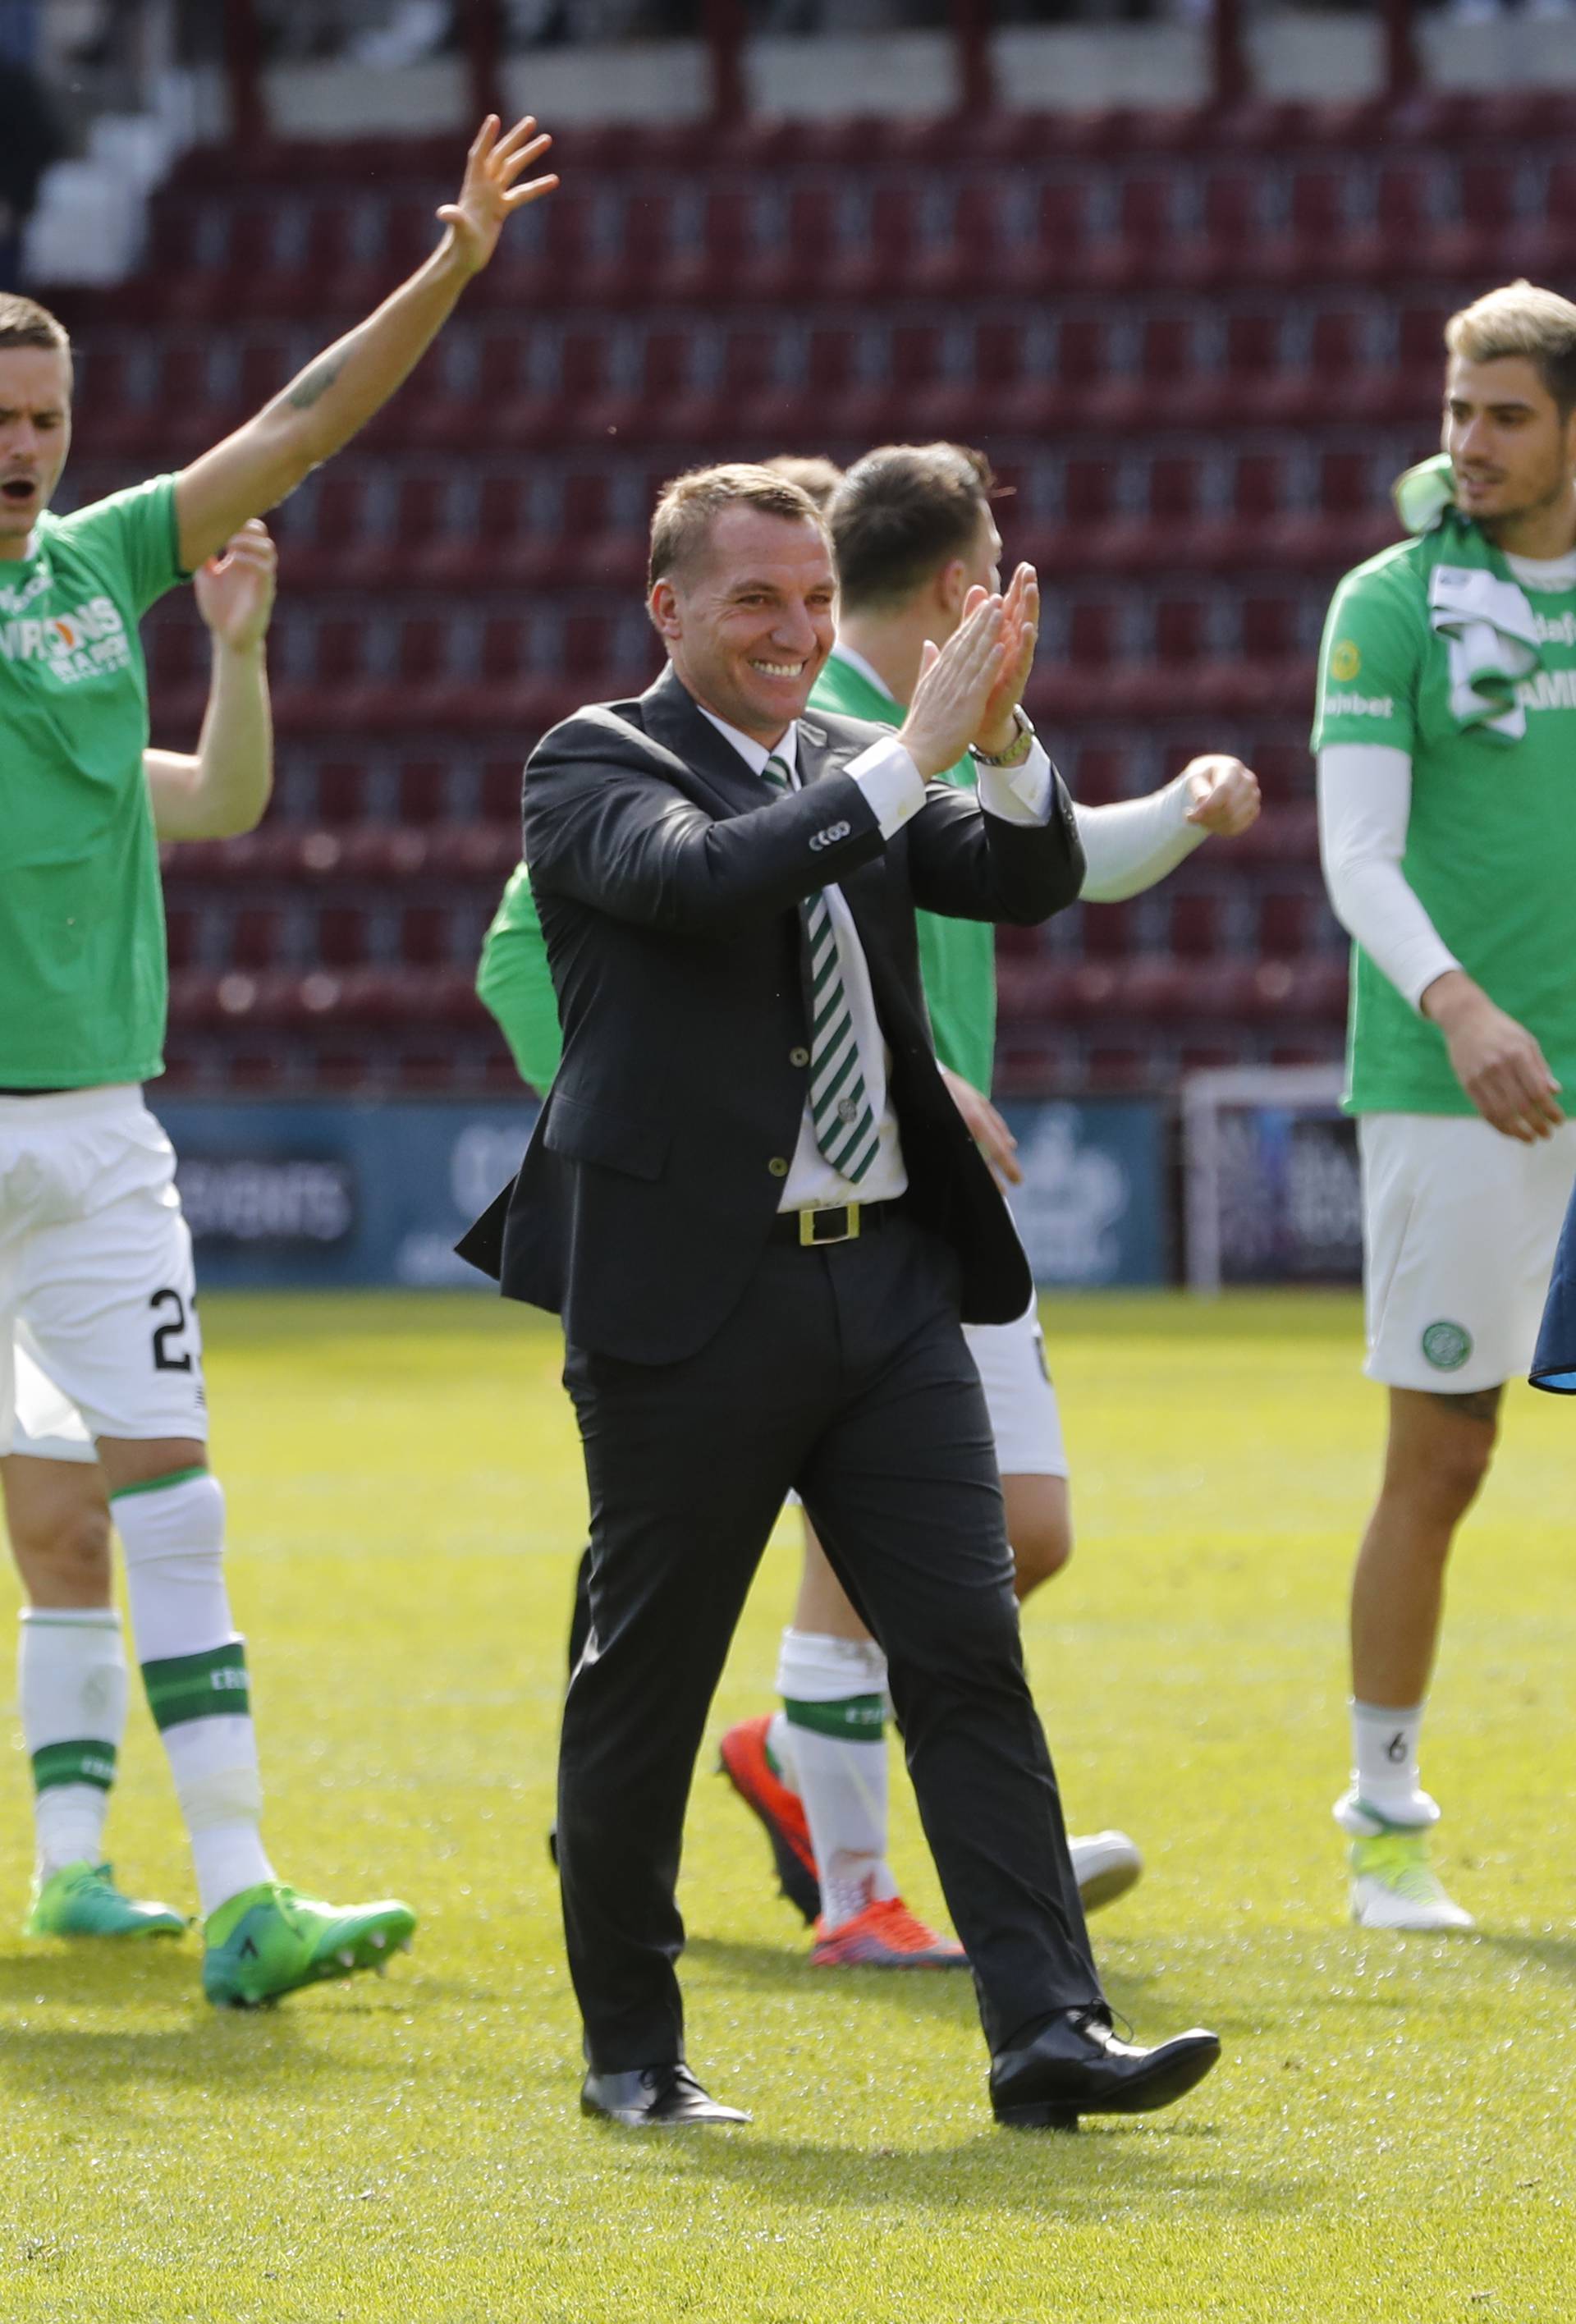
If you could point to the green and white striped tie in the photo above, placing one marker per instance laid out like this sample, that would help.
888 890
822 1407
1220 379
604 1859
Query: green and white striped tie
845 1127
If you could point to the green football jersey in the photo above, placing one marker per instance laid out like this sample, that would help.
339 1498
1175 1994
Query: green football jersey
957 958
83 974
515 983
1491 839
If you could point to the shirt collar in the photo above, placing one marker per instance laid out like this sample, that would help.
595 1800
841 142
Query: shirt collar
844 653
753 753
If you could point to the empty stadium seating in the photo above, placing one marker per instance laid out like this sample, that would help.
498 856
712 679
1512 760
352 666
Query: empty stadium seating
1197 350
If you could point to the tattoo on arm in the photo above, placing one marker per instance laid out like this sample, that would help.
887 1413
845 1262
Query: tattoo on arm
1481 1404
314 382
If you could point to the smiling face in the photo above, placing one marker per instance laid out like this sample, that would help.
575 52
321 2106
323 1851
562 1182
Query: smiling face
1513 452
35 435
748 623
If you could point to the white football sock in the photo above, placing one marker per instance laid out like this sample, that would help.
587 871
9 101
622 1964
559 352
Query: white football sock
71 1692
1385 1779
194 1667
829 1741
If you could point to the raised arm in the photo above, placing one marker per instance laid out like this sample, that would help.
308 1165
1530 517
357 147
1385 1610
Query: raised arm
1013 854
224 790
1134 845
263 462
603 825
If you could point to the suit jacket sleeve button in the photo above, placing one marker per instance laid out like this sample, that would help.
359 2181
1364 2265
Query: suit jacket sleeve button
798 1056
777 1166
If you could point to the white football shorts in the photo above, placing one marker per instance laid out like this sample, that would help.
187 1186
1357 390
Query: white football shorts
95 1261
1010 1359
48 1425
1459 1225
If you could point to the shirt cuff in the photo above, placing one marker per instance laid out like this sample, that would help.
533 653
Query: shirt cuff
1421 963
1019 794
890 782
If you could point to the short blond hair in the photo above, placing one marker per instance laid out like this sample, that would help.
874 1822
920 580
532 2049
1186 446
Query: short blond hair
24 323
689 505
813 471
1521 319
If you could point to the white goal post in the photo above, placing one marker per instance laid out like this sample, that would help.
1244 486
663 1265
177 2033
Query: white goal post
1269 1173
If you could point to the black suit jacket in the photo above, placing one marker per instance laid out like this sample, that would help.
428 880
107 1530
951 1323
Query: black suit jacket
667 879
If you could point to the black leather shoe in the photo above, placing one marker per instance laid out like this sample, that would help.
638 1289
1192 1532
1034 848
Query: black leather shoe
1074 2064
653 2098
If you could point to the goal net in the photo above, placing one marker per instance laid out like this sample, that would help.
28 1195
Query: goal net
1271 1177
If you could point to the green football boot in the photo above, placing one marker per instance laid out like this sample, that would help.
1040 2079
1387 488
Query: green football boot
268 1940
81 1900
1395 1886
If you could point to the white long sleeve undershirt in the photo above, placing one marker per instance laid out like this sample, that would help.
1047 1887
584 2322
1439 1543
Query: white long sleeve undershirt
1365 802
1130 846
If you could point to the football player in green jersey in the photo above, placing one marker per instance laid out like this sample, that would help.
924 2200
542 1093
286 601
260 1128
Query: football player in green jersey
1446 739
94 1258
71 1664
914 531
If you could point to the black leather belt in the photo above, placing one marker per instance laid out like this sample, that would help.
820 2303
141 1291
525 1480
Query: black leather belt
834 1222
34 1093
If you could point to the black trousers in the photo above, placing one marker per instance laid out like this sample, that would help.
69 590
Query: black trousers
843 1371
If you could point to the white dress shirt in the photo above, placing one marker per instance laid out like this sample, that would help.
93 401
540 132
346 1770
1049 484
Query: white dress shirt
891 783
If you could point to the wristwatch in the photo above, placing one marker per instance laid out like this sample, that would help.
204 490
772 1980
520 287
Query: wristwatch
1017 751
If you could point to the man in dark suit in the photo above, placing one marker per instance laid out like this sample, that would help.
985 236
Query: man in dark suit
759 1212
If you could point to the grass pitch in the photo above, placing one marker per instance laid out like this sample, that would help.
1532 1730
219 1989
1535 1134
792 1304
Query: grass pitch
1388 2136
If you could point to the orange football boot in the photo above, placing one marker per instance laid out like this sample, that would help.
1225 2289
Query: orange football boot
885 1935
747 1767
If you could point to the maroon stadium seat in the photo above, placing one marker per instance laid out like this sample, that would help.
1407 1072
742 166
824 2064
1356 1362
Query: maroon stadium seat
343 937
256 933
1197 924
1200 343
344 790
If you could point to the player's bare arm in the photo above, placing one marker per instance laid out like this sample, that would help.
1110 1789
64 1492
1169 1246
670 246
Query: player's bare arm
334 398
224 790
1497 1062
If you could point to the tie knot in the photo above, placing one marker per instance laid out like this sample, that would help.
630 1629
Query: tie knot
776 773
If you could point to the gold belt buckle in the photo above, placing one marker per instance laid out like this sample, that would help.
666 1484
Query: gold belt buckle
810 1241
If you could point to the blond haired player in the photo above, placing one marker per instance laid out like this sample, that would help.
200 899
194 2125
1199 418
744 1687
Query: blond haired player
1446 736
95 1258
71 1666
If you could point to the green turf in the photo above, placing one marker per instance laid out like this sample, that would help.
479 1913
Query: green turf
1387 2138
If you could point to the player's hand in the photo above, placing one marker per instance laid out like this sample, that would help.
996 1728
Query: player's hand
955 682
490 192
1020 629
1223 796
234 590
1496 1061
990 1133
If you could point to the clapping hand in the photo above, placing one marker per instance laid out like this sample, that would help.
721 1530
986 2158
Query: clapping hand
955 683
234 590
489 193
1020 624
